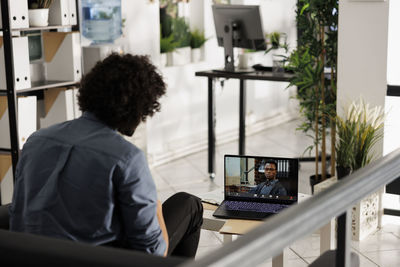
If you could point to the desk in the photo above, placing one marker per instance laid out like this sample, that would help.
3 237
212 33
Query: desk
233 227
229 227
242 77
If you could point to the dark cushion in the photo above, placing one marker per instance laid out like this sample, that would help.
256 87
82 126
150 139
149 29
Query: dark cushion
18 249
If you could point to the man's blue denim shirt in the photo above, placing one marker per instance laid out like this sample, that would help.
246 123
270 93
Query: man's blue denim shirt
80 180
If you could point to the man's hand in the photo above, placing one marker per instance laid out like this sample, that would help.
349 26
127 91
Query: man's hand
160 218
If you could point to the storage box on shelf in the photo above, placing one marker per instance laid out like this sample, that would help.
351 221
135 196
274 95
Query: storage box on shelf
58 105
6 181
4 130
18 14
21 63
63 12
62 55
27 117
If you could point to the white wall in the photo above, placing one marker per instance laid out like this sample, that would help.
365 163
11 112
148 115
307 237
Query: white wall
362 54
392 126
142 30
181 126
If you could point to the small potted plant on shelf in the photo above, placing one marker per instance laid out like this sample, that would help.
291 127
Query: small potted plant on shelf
39 12
181 33
196 43
167 46
357 133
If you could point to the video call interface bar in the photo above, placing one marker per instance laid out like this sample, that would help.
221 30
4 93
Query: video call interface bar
250 195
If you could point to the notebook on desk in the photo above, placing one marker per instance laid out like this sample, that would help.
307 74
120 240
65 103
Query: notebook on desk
257 187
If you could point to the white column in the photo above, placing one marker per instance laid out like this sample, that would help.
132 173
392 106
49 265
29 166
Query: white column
362 55
362 52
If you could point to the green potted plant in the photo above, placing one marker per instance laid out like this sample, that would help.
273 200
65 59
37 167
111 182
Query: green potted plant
39 12
277 42
197 41
358 130
181 34
167 46
317 22
176 26
357 133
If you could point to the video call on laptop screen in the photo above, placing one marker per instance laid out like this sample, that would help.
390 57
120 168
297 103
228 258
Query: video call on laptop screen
264 178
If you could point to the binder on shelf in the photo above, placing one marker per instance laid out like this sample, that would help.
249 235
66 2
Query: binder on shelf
63 12
4 124
59 13
73 17
62 55
18 10
57 106
27 118
6 179
22 76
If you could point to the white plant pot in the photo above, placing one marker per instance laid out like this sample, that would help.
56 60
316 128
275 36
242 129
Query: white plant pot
246 60
196 55
38 17
163 60
365 217
169 59
181 56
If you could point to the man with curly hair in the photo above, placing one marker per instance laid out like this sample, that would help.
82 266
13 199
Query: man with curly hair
81 180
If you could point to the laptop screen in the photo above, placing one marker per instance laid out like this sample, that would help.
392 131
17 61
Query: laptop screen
264 179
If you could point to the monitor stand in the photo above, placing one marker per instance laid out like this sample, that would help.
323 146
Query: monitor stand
231 32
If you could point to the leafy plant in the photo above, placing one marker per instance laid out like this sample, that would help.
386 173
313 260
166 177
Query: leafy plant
166 23
317 21
197 39
181 32
357 133
274 41
36 4
167 44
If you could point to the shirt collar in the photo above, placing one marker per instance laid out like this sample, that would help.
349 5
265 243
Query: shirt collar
90 116
273 182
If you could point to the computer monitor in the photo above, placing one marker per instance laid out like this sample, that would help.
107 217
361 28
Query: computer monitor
238 26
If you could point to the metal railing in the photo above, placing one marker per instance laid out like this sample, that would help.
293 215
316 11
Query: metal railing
280 231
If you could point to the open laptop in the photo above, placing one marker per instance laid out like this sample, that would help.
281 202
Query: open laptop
257 187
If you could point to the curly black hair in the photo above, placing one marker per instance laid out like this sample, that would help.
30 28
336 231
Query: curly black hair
121 91
271 161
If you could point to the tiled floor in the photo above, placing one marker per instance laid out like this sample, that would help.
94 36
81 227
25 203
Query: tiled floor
190 174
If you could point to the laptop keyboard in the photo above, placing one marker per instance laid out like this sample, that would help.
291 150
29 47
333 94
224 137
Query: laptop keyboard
254 206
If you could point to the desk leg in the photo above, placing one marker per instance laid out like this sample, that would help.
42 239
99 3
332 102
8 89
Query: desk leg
279 261
227 238
242 117
328 236
211 128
